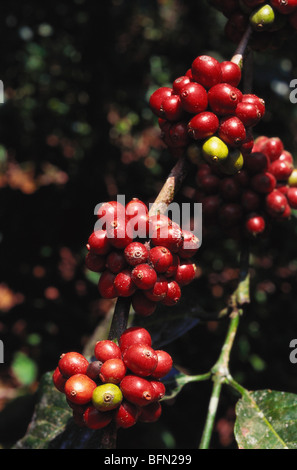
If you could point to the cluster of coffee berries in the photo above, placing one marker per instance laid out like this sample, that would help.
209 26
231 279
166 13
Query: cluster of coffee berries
264 190
123 384
276 20
147 258
205 106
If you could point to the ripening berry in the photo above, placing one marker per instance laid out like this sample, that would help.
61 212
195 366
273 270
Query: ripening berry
144 276
72 363
107 349
150 413
112 371
137 390
124 284
140 359
106 285
194 98
206 70
142 305
79 389
159 290
164 364
107 397
126 415
173 294
231 73
134 335
59 380
223 99
95 419
135 253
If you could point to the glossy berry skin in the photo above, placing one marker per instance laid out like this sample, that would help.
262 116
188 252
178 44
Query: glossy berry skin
126 415
156 99
95 263
171 271
112 371
203 125
190 244
95 419
186 272
285 7
223 99
173 294
137 390
159 290
215 150
109 212
107 349
150 413
107 397
170 237
160 258
142 305
134 335
232 131
179 83
117 233
59 380
292 197
194 98
281 170
137 218
159 388
229 189
79 389
72 363
140 359
178 135
255 225
273 148
248 113
144 276
250 200
171 108
275 202
135 253
98 242
106 285
230 73
206 70
123 283
164 364
256 162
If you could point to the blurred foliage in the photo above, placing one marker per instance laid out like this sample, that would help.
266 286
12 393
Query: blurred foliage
76 130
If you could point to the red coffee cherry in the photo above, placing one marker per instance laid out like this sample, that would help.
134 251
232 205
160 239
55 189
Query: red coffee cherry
173 294
126 415
230 189
275 202
79 389
142 305
255 224
179 83
123 284
95 263
115 261
150 413
232 131
185 273
137 390
250 200
254 99
72 363
292 197
171 108
144 276
159 291
248 113
140 359
112 371
95 419
285 7
137 218
273 148
178 135
59 380
135 253
98 242
280 169
170 237
159 388
156 99
263 182
107 349
203 125
194 98
108 212
230 73
256 162
106 285
171 271
206 70
223 98
134 335
190 244
164 364
117 233
160 258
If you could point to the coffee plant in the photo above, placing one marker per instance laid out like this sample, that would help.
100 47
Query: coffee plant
147 267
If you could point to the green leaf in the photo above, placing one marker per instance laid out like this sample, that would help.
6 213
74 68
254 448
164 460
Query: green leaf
266 419
52 426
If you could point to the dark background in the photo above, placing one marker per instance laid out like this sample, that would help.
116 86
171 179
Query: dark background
76 130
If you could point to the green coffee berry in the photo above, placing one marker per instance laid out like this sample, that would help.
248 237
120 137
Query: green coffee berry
215 150
106 397
233 163
263 18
